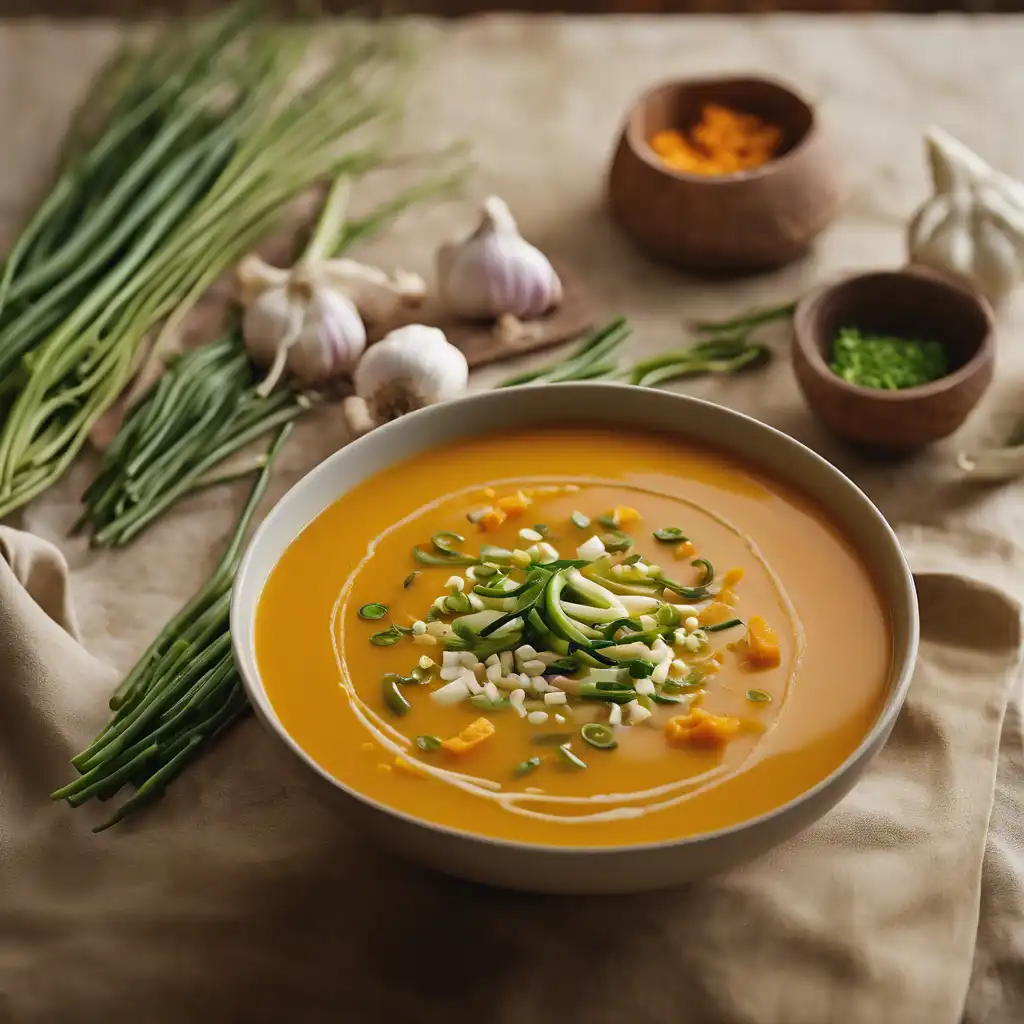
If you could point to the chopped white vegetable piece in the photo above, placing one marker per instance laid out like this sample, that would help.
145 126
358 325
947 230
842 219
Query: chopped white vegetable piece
645 687
660 673
507 661
525 653
473 686
419 627
692 643
637 712
534 667
492 659
425 639
614 715
517 696
547 657
691 622
560 719
591 549
467 658
521 559
532 536
451 672
679 666
538 717
619 570
451 659
451 693
548 553
491 692
425 663
680 636
555 697
456 582
493 673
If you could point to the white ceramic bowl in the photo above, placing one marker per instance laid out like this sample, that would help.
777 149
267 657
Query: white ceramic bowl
575 869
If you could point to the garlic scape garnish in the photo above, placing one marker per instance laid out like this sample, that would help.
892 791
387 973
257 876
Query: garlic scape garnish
410 368
972 227
495 273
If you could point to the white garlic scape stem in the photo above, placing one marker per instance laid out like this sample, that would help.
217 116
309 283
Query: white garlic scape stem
495 273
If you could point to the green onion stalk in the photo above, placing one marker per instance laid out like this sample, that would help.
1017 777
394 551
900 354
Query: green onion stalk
183 693
190 149
208 405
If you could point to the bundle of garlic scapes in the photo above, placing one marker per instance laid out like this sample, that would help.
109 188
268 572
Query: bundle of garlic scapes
496 274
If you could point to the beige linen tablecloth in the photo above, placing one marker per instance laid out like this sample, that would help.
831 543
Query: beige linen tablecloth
237 898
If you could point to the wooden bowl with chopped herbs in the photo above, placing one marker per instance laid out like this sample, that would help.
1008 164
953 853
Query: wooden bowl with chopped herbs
893 360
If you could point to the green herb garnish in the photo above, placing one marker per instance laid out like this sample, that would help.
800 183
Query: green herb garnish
758 696
709 571
885 362
407 582
428 743
372 611
616 540
386 637
669 535
579 520
719 626
564 666
599 735
527 766
566 754
440 541
394 699
609 520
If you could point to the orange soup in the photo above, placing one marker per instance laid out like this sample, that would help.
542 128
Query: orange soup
574 636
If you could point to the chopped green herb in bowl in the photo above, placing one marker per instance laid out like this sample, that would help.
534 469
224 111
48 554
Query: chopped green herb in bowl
886 362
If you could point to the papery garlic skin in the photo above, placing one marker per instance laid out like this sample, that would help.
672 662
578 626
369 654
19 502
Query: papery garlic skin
408 369
496 272
972 227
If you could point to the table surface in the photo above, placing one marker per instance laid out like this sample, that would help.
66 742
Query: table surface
542 100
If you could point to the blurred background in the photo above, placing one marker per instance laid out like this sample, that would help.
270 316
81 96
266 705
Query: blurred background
456 8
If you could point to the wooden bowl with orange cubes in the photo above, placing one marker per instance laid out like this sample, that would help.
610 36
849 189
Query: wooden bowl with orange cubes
724 175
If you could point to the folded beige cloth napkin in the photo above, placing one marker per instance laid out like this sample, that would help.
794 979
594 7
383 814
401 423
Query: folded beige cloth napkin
240 898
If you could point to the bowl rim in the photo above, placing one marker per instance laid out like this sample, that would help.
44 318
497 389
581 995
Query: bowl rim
804 336
641 147
245 655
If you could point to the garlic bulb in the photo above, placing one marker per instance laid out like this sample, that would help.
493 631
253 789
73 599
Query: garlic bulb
972 227
495 272
410 368
312 320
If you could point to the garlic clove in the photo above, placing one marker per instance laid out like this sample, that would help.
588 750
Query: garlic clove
357 416
495 271
377 295
410 368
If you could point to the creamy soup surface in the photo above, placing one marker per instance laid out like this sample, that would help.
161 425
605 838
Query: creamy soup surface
687 643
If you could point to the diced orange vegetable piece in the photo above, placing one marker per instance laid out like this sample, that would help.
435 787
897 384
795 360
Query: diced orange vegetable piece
732 577
492 519
762 644
515 504
685 550
727 596
474 734
700 729
624 514
714 613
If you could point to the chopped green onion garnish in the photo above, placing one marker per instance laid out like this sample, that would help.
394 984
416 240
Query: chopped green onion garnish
609 520
579 520
564 666
407 582
690 593
477 514
490 553
669 535
758 696
613 627
541 528
428 742
441 538
457 603
527 766
662 698
670 686
599 735
569 757
387 637
484 703
550 739
433 614
887 362
394 699
484 572
695 678
632 560
668 616
430 558
617 541
639 669
594 691
709 571
372 611
719 626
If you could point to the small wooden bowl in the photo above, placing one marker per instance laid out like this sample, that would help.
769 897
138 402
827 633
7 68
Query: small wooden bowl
736 223
908 303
